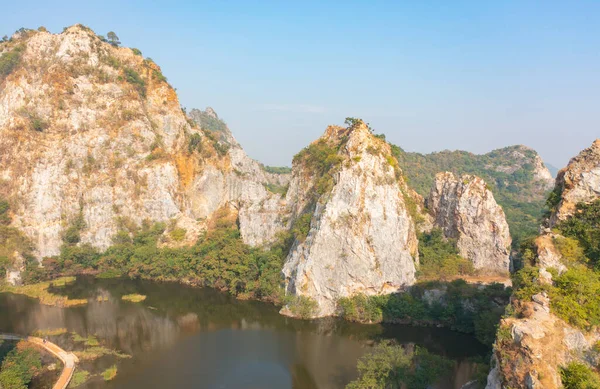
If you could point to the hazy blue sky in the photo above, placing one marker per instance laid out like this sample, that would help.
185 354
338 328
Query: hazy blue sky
431 75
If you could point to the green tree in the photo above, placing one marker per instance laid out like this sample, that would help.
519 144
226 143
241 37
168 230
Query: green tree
113 39
19 366
579 376
390 366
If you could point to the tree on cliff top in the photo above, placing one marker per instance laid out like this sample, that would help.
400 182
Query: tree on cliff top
113 39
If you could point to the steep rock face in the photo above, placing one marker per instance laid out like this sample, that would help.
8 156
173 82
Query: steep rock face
262 213
536 348
540 342
466 210
362 236
578 182
90 129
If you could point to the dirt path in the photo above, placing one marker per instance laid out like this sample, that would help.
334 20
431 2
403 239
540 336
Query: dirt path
68 359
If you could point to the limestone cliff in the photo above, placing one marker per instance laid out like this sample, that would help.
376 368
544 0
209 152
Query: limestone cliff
93 130
538 340
516 176
361 235
465 209
531 349
576 183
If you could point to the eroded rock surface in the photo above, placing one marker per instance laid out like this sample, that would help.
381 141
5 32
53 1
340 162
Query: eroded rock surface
578 182
465 209
90 129
362 237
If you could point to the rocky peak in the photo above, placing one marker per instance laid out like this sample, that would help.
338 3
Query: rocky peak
361 236
521 157
211 112
465 209
89 130
578 182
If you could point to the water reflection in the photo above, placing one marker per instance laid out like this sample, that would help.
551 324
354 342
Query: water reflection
186 337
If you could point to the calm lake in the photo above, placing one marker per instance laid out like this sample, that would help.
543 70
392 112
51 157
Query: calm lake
184 337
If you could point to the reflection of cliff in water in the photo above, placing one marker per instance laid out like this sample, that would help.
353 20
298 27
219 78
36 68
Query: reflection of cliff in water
132 329
186 337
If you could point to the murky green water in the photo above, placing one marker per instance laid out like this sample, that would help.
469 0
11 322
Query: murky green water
183 337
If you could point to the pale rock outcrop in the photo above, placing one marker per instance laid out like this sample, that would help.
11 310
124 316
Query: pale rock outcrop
13 273
362 238
76 138
465 209
548 256
539 344
579 182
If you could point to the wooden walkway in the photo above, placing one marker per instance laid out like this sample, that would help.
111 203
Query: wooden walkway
69 360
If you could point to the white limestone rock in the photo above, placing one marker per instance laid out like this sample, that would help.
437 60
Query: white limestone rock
465 209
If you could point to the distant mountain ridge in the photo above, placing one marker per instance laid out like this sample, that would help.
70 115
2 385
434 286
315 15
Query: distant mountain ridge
516 175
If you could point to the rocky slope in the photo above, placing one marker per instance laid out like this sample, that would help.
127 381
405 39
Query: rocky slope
542 337
362 236
465 209
535 347
578 182
93 130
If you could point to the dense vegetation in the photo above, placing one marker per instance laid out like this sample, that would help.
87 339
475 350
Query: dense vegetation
574 294
438 257
390 366
19 367
322 160
10 60
516 192
461 307
11 240
277 169
219 259
584 226
579 376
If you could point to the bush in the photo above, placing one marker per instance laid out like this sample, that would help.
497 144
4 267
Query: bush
360 308
570 250
133 77
159 76
463 307
195 143
277 189
10 60
575 297
136 51
579 376
525 283
584 226
301 226
178 234
302 306
222 148
323 161
219 259
390 366
72 234
277 169
19 367
4 212
439 257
